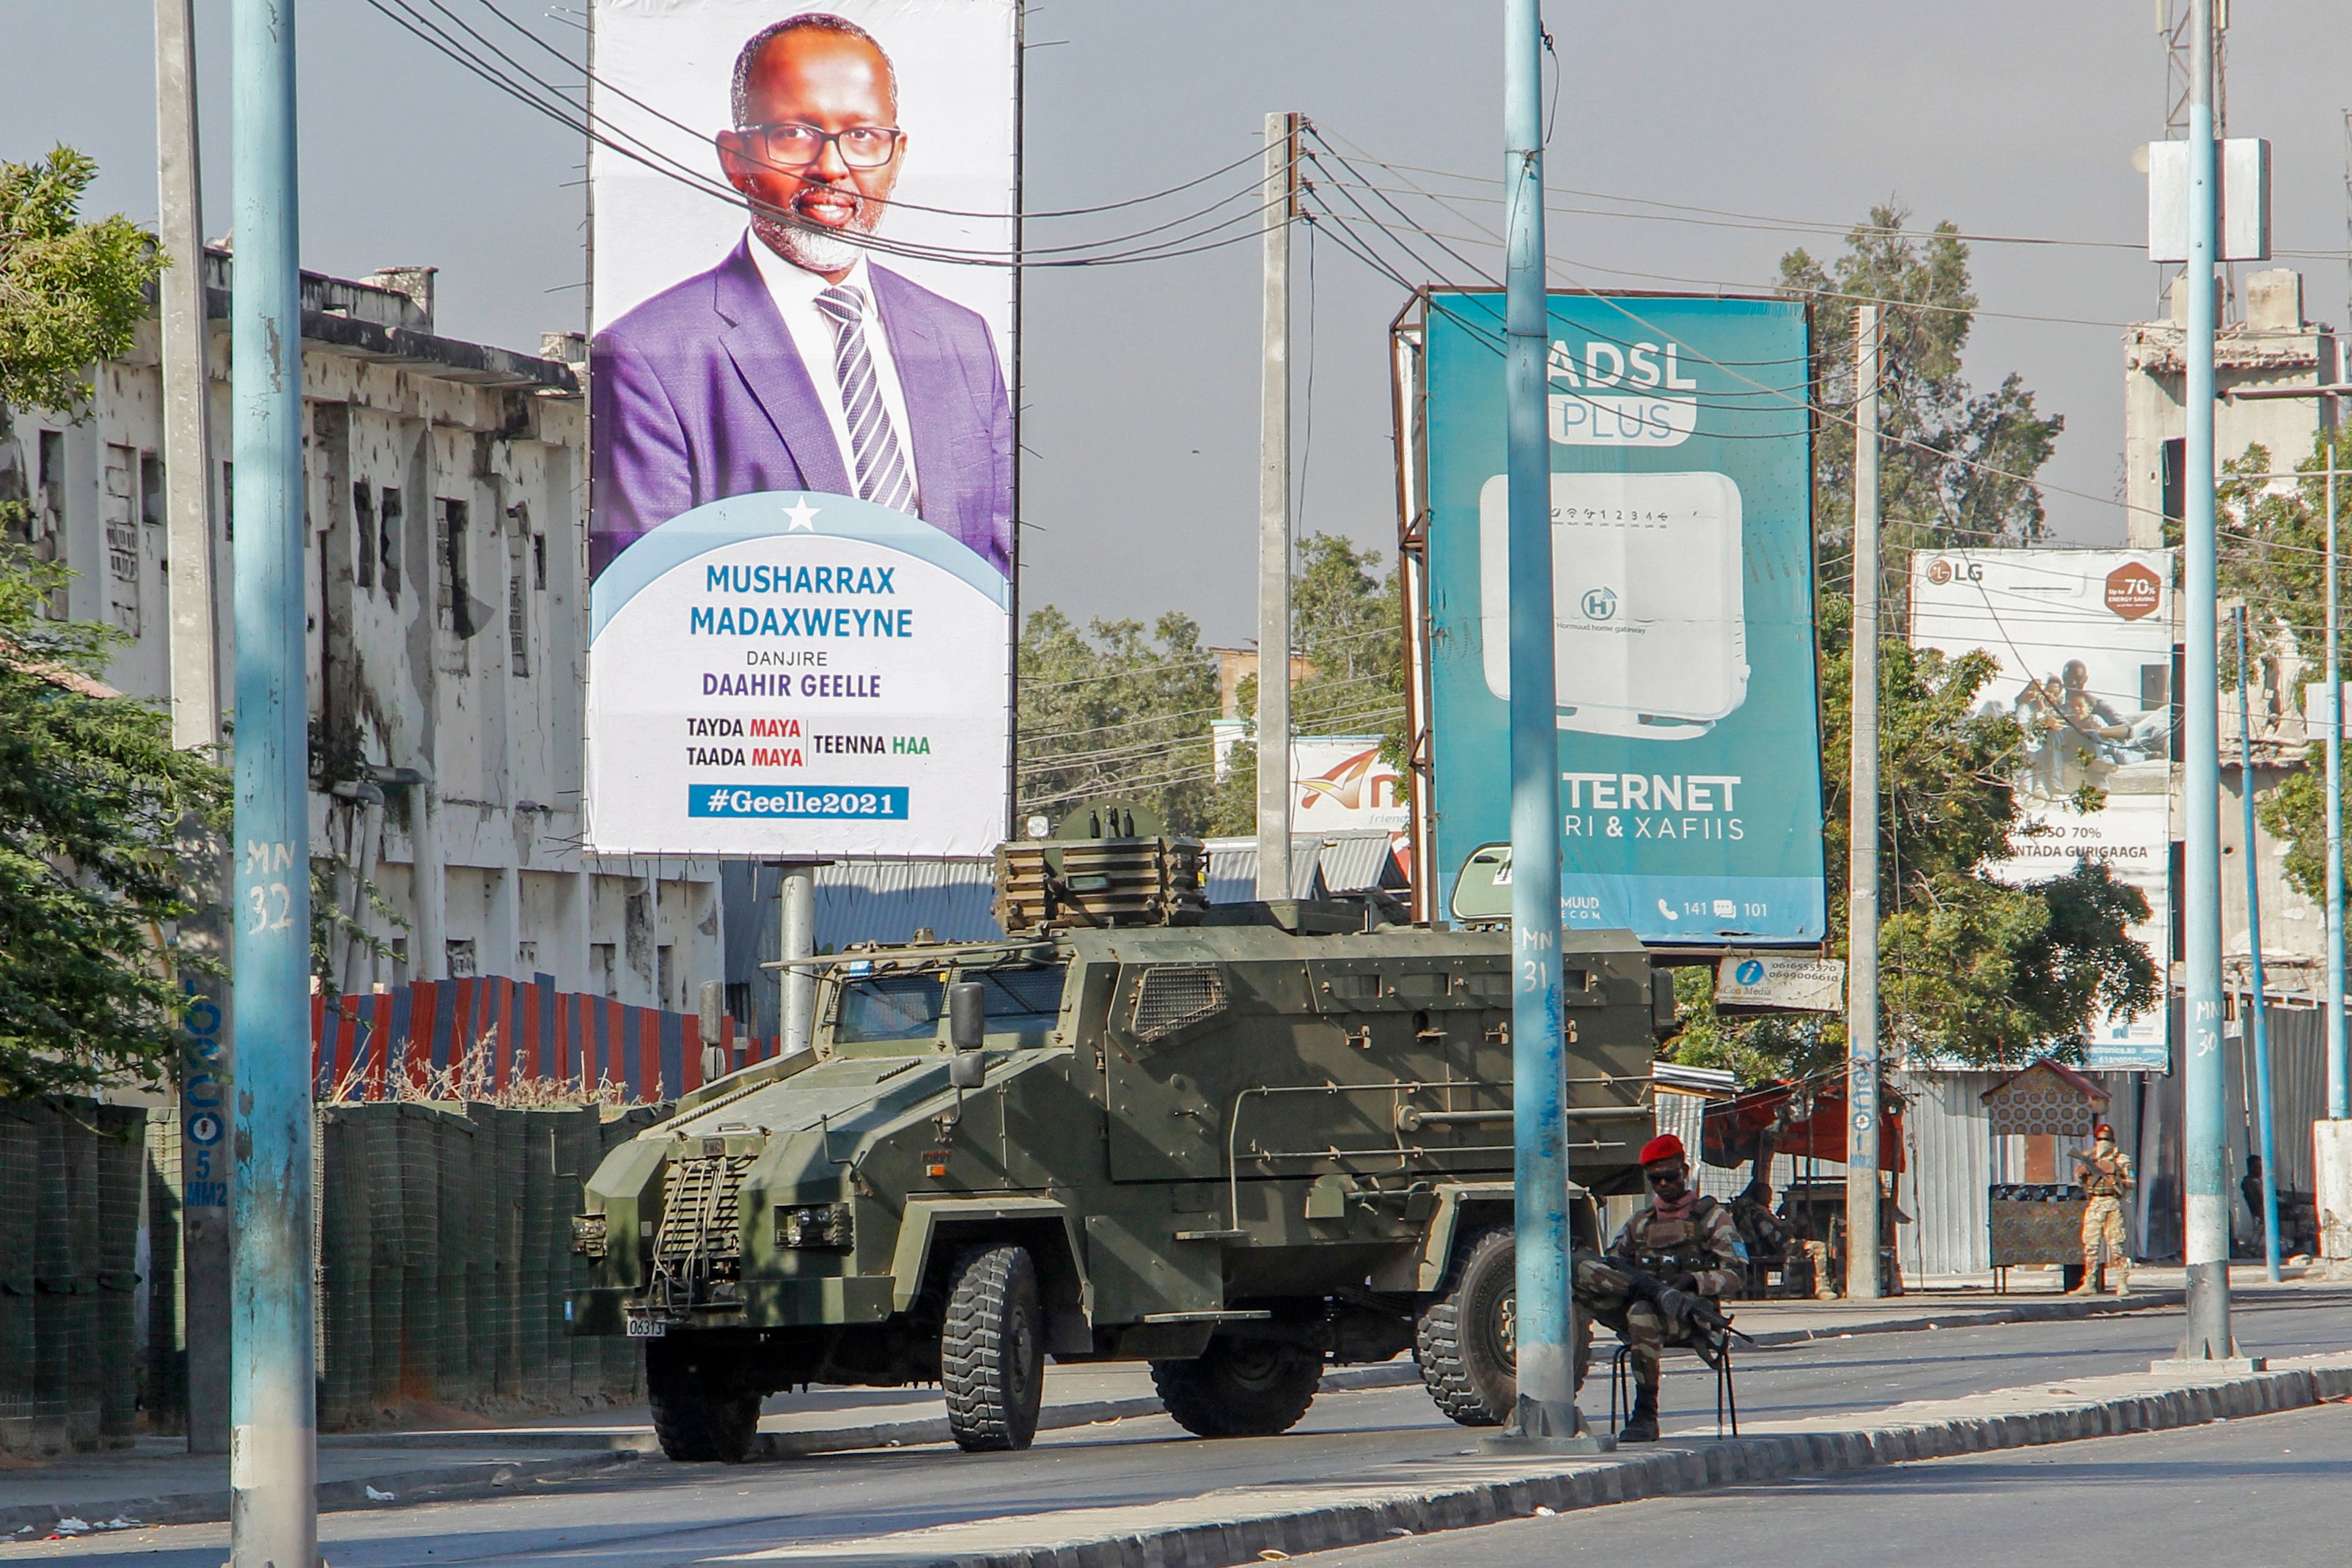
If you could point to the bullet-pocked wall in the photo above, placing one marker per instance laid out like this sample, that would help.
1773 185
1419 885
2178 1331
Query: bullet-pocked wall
447 627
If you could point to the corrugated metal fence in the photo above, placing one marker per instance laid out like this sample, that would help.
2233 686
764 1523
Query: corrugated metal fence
482 1036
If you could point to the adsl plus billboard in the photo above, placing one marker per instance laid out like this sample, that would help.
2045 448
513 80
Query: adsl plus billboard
1681 609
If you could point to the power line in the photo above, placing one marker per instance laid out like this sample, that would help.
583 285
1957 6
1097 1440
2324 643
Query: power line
565 112
604 84
1723 217
1804 402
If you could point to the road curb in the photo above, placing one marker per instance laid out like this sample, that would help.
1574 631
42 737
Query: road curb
1222 1530
585 1450
429 1483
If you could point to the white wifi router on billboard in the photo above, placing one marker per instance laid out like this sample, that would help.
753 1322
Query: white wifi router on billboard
1649 623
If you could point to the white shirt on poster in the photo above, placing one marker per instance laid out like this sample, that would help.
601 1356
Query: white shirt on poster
795 289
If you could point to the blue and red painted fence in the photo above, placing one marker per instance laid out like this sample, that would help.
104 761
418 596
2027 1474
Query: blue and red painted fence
494 1034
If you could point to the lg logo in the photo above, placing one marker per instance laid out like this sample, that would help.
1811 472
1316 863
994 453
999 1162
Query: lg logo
1600 603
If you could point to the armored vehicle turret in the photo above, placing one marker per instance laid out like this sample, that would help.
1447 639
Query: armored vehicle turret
1240 1142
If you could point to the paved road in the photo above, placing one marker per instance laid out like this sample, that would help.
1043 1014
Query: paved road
654 1514
2259 1493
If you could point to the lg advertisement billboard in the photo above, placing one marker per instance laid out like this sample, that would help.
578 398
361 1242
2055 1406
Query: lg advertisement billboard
1682 598
800 504
2083 640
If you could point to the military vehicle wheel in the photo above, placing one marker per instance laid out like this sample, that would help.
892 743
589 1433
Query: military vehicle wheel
993 1351
1240 1387
701 1413
1466 1341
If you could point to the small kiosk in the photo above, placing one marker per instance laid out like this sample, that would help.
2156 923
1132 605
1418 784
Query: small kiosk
2040 1221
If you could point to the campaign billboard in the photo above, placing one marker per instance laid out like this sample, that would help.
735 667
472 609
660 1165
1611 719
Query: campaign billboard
800 538
1681 606
2083 642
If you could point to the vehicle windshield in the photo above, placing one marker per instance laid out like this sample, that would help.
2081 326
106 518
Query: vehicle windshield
908 1007
1021 1001
890 1007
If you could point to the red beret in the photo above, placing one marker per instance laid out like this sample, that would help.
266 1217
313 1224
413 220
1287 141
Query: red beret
2103 1131
1665 1147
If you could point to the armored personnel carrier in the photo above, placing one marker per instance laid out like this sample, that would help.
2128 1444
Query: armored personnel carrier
1240 1142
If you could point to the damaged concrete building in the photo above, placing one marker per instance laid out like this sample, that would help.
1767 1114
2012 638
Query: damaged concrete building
448 612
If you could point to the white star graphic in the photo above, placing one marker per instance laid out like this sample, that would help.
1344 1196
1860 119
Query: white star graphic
801 513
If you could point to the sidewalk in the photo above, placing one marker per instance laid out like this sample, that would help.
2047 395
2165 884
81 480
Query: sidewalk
160 1483
1237 1525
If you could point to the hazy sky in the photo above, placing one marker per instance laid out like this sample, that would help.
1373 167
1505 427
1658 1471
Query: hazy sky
1140 385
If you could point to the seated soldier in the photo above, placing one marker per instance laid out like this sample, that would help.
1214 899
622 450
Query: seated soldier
1823 1263
1683 1239
1765 1237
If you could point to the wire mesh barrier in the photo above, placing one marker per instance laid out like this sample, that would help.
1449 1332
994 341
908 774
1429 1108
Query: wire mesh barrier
490 1039
69 1208
444 1260
444 1266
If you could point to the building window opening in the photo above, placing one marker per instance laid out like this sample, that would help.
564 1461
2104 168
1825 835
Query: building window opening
363 534
388 542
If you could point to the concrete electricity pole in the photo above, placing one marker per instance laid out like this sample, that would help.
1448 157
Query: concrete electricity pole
206 1069
2204 1131
1281 199
2339 1071
1547 1412
796 918
1862 1209
2256 1023
273 1455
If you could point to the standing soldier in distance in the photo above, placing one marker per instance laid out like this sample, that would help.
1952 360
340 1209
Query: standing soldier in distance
2105 1175
1686 1241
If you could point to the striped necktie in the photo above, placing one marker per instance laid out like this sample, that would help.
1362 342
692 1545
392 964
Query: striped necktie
883 477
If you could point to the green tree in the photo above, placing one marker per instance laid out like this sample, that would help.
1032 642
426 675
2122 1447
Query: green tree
1116 709
1346 616
91 795
91 792
2272 553
1970 969
1957 467
71 292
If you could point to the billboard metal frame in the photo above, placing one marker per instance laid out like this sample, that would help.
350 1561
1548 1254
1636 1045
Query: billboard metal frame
1409 395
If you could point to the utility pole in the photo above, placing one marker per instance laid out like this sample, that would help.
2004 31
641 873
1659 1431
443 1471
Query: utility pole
2339 1072
1547 1413
273 1457
1281 199
796 917
2204 1132
203 933
2257 1034
1862 1211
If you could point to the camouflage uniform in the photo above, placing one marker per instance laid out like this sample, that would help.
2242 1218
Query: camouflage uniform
2105 1176
1706 1246
1825 1278
1767 1241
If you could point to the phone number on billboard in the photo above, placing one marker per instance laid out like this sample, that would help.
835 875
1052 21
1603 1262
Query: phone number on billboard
772 801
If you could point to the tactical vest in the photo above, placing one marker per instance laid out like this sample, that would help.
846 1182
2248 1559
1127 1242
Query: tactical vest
2104 1177
1668 1246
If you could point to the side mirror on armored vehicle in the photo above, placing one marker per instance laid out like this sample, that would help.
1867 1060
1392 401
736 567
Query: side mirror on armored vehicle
1664 1016
967 1022
967 1014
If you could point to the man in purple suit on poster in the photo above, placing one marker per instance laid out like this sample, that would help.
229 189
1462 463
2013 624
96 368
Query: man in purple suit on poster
796 363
